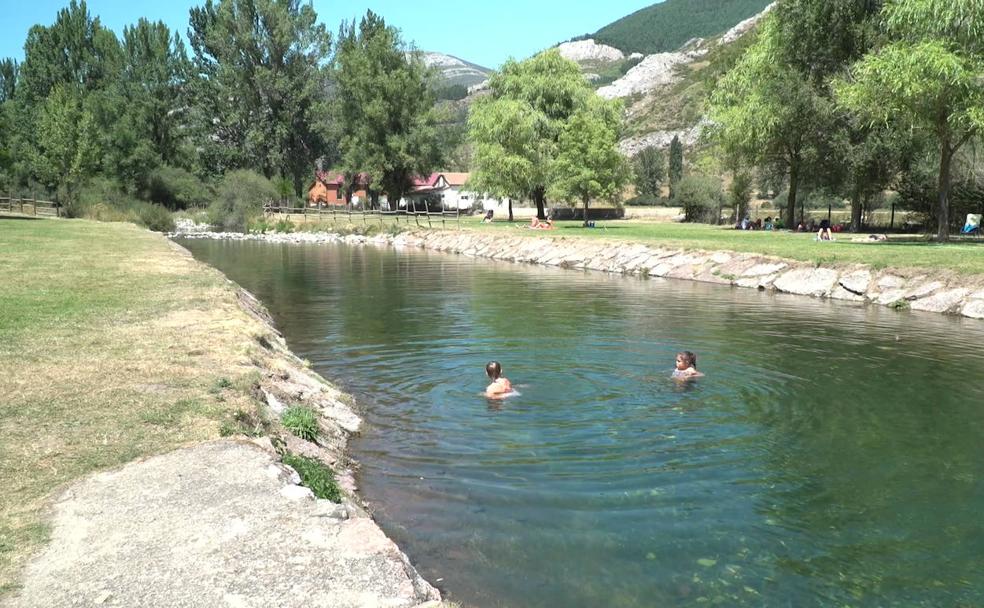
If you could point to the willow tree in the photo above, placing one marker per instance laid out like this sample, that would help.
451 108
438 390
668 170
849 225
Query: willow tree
766 113
927 78
588 164
516 129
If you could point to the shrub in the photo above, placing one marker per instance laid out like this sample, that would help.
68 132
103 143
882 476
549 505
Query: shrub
176 188
315 475
700 197
644 200
103 200
154 217
243 422
301 421
740 193
240 199
283 225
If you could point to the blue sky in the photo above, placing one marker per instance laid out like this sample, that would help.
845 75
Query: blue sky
486 32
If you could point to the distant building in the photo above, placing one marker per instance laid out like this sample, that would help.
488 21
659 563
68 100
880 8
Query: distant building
449 189
329 189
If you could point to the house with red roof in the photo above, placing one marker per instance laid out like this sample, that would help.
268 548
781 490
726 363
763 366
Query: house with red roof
330 189
447 188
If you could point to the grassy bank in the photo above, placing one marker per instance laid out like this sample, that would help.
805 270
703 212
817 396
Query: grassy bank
114 344
966 257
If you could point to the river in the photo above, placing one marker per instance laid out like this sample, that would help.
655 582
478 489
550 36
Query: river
831 456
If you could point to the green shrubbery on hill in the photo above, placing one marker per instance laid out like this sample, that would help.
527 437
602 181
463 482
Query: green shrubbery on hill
668 25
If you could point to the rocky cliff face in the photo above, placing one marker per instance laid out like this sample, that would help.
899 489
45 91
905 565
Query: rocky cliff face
456 71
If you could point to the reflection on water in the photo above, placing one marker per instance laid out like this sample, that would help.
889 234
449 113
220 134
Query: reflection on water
830 457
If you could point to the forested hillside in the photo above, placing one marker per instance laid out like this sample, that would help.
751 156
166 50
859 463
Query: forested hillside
668 25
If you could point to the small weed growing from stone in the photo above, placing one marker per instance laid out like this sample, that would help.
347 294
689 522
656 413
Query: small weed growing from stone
315 475
900 305
301 421
244 423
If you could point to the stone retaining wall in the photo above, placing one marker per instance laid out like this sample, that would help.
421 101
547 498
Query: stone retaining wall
918 289
925 289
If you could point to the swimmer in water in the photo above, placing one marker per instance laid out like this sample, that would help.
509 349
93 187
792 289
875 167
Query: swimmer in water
686 366
500 385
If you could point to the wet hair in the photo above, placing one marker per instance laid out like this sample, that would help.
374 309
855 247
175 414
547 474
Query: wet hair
688 357
493 369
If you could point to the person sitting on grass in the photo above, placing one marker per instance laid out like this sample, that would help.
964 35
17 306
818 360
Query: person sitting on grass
538 224
824 233
488 216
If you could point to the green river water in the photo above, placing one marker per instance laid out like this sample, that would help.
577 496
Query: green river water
832 455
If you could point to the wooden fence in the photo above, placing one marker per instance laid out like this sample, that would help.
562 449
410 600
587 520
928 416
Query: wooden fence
29 206
347 214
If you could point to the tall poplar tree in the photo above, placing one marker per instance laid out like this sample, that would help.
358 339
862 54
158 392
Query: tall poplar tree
650 170
260 94
676 163
387 123
148 129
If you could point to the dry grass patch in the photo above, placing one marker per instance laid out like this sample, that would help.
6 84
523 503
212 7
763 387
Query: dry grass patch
114 345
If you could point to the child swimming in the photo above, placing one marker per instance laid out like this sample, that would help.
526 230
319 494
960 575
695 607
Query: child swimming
500 386
686 365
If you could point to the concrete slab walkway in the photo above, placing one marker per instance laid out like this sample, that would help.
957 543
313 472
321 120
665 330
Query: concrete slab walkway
219 524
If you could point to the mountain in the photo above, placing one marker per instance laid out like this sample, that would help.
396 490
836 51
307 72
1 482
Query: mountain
669 25
453 71
666 92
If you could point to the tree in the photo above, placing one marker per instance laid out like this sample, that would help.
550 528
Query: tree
63 93
700 198
650 170
9 69
261 93
387 121
588 164
67 143
154 73
516 129
676 164
740 193
927 78
820 39
74 51
766 113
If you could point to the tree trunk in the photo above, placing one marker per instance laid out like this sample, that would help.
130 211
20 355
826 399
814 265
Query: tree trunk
540 198
856 210
791 200
510 210
585 199
943 210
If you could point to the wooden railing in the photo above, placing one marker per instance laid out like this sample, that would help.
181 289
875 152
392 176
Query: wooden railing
336 214
29 206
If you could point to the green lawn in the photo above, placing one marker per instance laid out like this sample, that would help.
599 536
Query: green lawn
965 256
113 345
